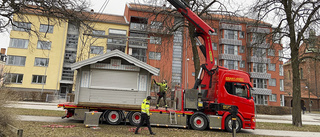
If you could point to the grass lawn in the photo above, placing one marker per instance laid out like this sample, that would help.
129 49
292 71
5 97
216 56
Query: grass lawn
37 129
259 125
36 112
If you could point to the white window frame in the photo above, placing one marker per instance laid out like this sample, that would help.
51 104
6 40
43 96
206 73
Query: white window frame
235 64
273 82
242 64
230 34
21 26
259 52
259 67
214 46
242 49
98 32
281 85
96 50
273 68
228 49
19 43
9 78
155 55
42 62
155 40
280 70
46 45
273 97
260 83
40 79
156 25
16 60
45 27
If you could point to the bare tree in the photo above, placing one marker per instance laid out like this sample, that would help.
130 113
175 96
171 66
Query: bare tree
296 18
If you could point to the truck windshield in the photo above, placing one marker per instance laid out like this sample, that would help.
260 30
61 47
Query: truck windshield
237 89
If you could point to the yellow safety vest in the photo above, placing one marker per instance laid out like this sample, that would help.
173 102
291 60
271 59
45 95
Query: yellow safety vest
145 106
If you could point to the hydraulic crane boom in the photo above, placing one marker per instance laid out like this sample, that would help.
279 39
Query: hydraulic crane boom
204 31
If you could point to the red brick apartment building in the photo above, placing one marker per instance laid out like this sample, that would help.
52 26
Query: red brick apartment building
309 75
235 47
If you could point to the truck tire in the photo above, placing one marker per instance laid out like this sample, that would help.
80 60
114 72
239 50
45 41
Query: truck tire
113 117
198 122
134 118
228 124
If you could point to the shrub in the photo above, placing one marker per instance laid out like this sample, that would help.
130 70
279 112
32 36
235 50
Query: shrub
273 110
5 116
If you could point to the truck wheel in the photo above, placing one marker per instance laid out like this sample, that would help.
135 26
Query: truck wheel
134 118
198 122
113 117
228 124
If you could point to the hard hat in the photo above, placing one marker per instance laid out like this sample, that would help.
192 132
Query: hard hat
149 97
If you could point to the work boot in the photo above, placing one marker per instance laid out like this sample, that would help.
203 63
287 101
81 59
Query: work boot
152 133
136 133
157 106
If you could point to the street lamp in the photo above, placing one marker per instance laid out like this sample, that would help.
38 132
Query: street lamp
309 99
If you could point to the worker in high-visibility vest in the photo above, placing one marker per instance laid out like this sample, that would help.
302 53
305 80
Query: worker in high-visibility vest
145 115
162 93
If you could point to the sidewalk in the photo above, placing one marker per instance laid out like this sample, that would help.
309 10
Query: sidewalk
307 119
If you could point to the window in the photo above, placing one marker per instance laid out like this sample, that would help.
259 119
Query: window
139 54
116 32
230 34
215 31
215 61
237 89
155 55
273 82
281 85
98 32
272 67
281 70
16 60
281 100
214 46
259 52
156 25
96 50
280 53
259 67
155 40
46 28
273 97
241 49
258 38
177 37
19 43
242 64
230 49
193 74
39 79
231 64
271 52
44 45
13 78
259 83
241 34
21 26
261 99
43 62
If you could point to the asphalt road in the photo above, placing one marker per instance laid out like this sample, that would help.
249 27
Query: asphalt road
308 119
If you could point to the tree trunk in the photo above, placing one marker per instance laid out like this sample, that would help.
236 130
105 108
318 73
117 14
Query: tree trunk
296 110
196 59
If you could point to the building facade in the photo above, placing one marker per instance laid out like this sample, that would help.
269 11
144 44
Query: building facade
309 77
238 44
40 60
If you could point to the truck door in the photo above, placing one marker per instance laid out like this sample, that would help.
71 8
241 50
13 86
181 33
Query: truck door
240 96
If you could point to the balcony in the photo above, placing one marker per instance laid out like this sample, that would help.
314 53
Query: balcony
230 41
114 41
230 57
258 30
259 45
255 59
260 75
262 91
138 44
231 27
140 57
138 26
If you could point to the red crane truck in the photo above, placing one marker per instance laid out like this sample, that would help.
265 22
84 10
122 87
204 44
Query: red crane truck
207 105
